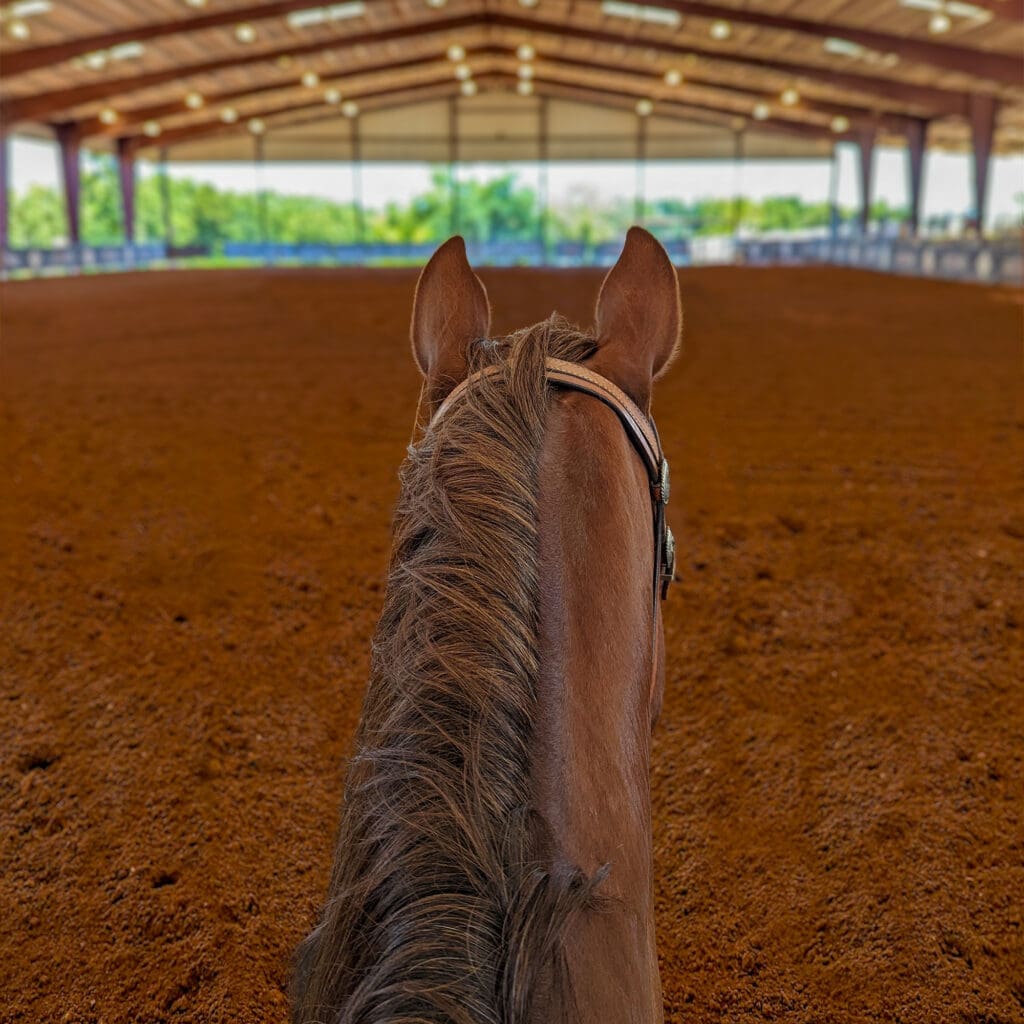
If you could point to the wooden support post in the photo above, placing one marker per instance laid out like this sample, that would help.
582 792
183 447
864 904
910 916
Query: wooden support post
545 167
165 199
4 185
983 110
453 159
126 175
834 215
641 162
70 143
866 151
738 141
357 179
917 136
261 194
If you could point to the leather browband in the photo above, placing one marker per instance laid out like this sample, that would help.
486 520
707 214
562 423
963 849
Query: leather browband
639 428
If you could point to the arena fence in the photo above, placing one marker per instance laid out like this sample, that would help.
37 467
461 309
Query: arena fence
990 261
993 262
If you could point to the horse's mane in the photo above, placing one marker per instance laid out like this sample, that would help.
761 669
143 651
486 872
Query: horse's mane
446 903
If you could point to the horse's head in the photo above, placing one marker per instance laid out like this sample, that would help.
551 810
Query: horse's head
601 544
500 783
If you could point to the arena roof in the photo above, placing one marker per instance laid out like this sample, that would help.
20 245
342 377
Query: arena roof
509 79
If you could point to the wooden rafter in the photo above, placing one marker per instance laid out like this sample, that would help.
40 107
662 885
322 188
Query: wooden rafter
1002 68
928 99
996 67
46 105
92 127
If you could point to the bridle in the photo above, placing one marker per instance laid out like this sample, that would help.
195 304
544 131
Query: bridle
640 430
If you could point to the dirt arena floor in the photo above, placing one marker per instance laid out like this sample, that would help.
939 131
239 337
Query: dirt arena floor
198 471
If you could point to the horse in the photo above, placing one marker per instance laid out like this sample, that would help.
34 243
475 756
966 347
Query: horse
494 858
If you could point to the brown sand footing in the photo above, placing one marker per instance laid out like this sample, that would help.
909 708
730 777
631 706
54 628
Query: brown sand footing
198 471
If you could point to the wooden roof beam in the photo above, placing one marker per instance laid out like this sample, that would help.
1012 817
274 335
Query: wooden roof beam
933 99
996 67
30 58
93 127
44 106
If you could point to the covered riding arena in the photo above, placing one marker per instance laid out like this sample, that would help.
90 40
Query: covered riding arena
199 467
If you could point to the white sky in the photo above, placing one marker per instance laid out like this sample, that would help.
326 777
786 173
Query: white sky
947 186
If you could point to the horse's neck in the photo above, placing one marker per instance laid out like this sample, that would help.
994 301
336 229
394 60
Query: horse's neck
591 773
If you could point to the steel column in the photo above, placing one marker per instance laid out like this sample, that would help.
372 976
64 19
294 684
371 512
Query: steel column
866 152
126 176
983 110
917 135
70 144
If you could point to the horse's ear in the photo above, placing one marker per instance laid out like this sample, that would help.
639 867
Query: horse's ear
639 316
450 312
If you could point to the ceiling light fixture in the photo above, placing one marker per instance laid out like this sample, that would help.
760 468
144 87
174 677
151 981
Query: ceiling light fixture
790 97
321 15
526 52
644 108
257 126
761 111
468 88
310 79
456 53
333 96
840 124
463 71
525 71
229 115
194 100
108 115
641 12
720 30
152 129
524 87
350 108
245 33
673 77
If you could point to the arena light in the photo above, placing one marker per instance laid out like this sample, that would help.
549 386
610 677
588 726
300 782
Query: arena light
525 71
245 33
843 47
194 100
310 79
524 87
436 3
98 59
644 108
526 52
468 88
761 111
19 30
108 115
673 77
790 97
951 8
456 53
151 129
463 71
641 12
333 96
195 3
322 15
939 22
257 126
840 124
229 115
720 30
528 3
350 108
29 9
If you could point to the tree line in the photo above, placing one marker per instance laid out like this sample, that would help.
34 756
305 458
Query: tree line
496 209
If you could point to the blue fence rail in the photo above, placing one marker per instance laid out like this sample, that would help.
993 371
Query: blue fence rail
994 262
991 261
